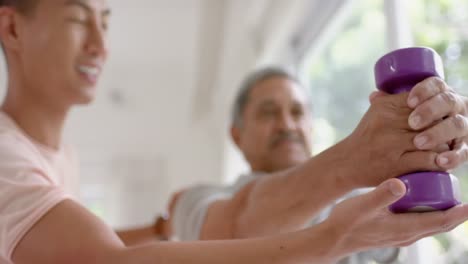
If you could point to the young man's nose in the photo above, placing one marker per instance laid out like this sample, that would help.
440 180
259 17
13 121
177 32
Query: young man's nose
97 42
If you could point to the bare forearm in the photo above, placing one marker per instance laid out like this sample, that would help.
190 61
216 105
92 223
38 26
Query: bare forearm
317 246
139 236
91 241
288 200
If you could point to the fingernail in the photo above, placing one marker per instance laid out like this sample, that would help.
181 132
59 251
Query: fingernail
420 141
413 102
415 120
443 160
395 189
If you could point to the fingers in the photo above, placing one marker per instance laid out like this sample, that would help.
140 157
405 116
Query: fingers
174 199
410 227
425 90
449 129
442 148
434 100
442 221
418 161
441 105
385 194
452 159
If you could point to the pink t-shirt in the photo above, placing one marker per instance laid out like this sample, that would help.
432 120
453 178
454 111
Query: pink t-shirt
33 179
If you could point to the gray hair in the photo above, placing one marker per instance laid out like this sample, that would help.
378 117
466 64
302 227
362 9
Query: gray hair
249 83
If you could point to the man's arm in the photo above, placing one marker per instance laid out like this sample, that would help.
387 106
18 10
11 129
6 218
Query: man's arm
280 202
160 230
380 148
68 233
142 235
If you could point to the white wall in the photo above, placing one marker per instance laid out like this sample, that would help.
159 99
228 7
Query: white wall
160 121
138 142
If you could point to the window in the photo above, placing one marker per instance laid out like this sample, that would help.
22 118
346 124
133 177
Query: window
340 77
443 25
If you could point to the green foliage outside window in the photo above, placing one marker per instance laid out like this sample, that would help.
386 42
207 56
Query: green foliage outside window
341 78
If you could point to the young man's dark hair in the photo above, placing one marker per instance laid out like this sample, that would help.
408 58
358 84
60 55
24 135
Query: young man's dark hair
24 6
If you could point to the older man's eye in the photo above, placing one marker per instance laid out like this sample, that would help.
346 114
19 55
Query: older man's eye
297 112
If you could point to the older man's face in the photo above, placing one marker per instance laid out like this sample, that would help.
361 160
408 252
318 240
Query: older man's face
276 129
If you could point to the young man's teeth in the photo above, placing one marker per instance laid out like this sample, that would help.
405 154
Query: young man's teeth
88 70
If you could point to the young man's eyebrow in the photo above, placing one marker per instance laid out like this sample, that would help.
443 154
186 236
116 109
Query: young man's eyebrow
85 6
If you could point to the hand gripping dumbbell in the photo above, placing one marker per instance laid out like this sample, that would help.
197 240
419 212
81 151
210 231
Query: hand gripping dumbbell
399 71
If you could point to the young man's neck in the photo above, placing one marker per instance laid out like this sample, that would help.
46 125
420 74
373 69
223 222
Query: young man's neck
39 120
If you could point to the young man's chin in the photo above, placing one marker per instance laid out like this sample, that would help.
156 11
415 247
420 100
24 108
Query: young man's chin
84 99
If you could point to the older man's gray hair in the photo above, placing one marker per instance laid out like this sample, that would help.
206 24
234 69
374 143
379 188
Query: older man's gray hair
249 83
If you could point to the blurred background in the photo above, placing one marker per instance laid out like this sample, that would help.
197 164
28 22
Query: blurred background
161 119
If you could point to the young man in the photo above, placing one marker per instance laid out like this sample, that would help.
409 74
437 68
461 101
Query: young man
55 50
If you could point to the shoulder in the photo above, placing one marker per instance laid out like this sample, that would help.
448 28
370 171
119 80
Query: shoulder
20 161
190 209
16 150
201 194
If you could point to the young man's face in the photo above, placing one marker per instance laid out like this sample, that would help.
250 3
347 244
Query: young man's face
276 128
62 49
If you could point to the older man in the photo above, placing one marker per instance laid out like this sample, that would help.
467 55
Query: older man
271 125
55 51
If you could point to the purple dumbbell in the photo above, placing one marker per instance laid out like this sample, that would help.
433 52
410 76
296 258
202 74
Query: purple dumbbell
399 71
